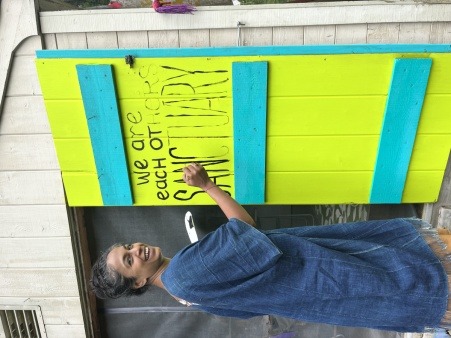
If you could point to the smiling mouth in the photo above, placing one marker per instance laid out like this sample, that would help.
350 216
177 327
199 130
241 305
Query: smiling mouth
146 253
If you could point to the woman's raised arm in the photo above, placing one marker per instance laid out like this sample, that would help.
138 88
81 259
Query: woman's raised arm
195 175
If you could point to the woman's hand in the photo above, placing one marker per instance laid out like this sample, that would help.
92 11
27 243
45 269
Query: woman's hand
196 176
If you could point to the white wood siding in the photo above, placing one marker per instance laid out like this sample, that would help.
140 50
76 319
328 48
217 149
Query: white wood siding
37 264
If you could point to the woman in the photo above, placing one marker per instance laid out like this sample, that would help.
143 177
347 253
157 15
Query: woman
376 274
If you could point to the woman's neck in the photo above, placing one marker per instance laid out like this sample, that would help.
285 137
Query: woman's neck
155 279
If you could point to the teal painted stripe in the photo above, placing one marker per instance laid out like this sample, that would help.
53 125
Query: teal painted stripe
243 51
402 114
249 82
100 103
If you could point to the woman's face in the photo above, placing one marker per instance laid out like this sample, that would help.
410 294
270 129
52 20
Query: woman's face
137 260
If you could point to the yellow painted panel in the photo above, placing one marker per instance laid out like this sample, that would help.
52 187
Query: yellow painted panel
422 186
169 189
330 75
439 77
67 119
84 189
325 115
436 115
186 117
184 108
58 78
75 155
430 152
175 78
321 153
318 188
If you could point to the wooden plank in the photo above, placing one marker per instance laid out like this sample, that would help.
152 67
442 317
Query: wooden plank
422 186
249 130
71 41
351 34
53 252
133 39
75 155
415 32
67 119
341 75
404 103
24 115
58 331
50 41
439 81
99 99
54 282
194 38
430 152
440 32
33 221
97 40
321 153
319 35
27 152
256 36
383 33
288 35
223 37
219 17
83 189
23 79
320 115
163 39
55 311
303 188
435 115
31 187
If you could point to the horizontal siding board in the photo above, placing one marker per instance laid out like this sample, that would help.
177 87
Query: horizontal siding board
54 282
24 115
27 152
53 252
55 311
31 187
23 79
33 221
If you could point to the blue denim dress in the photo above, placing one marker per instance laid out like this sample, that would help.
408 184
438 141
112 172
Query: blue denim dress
374 274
